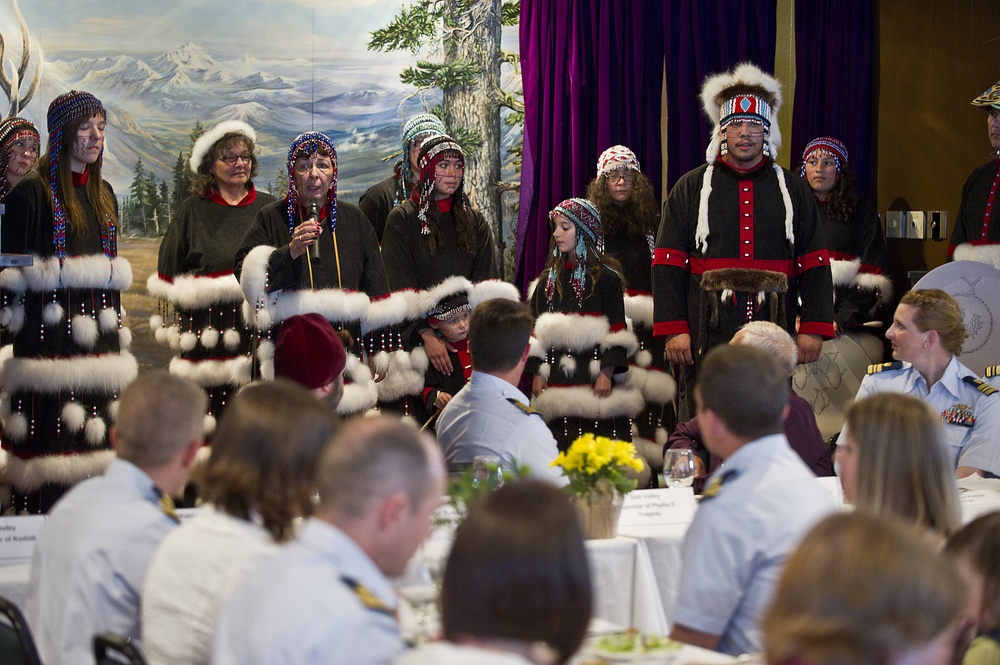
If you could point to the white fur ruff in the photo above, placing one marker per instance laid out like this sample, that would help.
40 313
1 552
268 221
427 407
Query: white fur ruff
567 365
108 372
213 373
53 314
432 296
393 309
30 475
209 138
108 320
231 339
94 431
623 338
85 331
158 287
867 281
360 389
13 280
657 386
745 73
402 379
493 288
988 254
575 332
639 308
74 416
78 272
188 341
209 337
200 292
580 401
844 272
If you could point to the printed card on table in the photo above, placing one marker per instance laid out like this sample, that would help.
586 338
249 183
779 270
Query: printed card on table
17 537
657 507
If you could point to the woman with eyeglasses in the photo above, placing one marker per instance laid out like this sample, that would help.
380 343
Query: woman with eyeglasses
199 316
630 217
437 234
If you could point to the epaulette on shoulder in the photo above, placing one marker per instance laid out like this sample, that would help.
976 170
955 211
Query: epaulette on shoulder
524 407
367 596
884 367
992 371
980 385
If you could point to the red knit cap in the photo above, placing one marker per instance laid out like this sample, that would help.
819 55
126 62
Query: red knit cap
308 351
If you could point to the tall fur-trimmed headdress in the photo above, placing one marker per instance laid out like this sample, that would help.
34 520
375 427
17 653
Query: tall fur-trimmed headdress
205 142
745 94
306 145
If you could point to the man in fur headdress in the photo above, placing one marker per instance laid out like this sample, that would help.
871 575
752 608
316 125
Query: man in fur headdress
740 238
975 236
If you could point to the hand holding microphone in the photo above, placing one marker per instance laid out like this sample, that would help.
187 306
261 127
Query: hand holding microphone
312 214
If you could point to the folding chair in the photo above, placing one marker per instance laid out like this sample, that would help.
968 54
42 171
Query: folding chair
113 649
17 647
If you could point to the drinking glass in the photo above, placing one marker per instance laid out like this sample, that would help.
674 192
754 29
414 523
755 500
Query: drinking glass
678 467
486 471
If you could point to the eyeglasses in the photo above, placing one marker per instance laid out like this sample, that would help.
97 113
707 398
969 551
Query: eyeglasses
232 159
626 177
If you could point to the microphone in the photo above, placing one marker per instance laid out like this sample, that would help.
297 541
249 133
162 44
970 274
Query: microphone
312 213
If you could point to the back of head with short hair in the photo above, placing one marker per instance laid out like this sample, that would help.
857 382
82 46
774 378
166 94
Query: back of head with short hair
904 463
746 387
265 453
499 330
860 590
369 458
158 415
978 542
938 311
518 570
772 338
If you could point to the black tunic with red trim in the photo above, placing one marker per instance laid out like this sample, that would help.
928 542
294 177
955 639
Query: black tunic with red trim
574 351
857 260
974 225
436 383
195 276
746 217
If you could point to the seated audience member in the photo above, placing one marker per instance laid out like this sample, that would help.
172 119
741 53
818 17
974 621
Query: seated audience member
756 507
893 460
309 352
976 549
864 590
325 598
516 587
259 479
490 416
800 425
92 555
927 335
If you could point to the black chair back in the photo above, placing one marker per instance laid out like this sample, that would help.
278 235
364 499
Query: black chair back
113 649
17 647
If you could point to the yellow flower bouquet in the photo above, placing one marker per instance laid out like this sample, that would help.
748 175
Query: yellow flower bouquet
597 464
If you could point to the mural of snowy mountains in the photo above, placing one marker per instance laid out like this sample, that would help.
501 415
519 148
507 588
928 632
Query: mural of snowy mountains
153 103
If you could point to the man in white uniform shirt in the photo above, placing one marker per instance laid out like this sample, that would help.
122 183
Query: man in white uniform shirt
326 597
755 507
489 415
92 555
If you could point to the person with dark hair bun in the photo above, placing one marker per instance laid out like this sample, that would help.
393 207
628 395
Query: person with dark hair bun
516 587
853 236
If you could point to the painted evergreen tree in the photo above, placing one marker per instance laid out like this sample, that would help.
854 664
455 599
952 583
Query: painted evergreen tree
137 200
466 34
182 181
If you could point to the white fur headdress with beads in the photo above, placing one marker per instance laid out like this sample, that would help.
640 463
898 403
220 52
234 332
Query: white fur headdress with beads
759 99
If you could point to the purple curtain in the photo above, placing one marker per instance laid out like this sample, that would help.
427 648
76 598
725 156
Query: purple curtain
705 38
592 75
836 89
